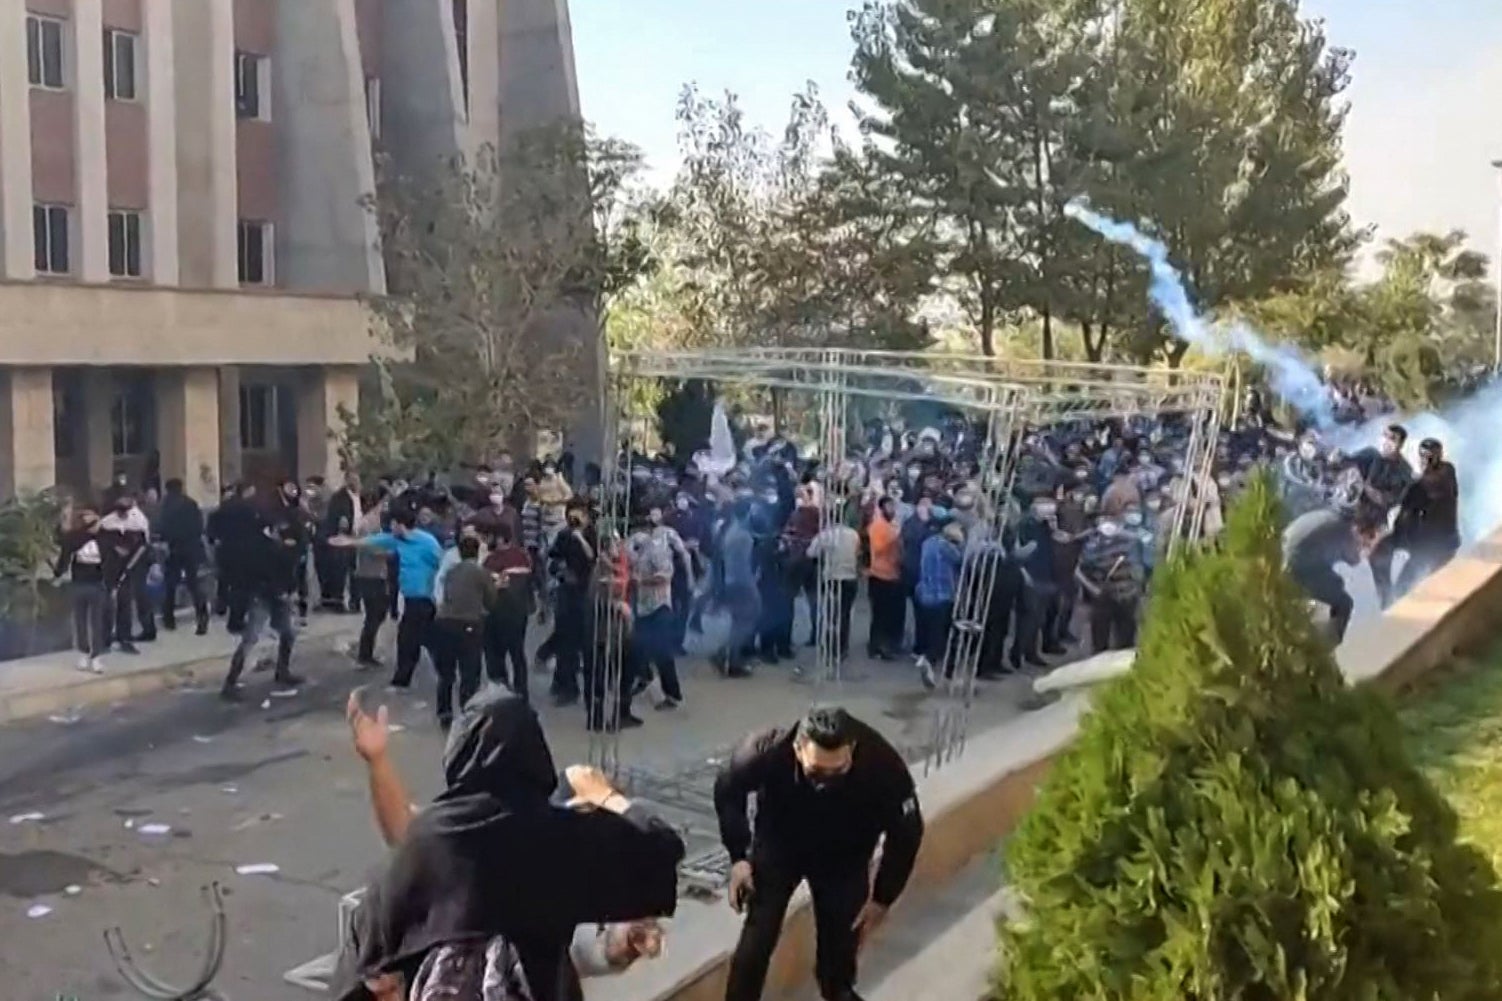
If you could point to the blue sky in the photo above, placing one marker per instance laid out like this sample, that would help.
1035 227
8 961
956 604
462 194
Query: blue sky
1427 98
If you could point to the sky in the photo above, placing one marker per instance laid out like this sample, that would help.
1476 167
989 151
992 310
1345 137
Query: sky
1425 124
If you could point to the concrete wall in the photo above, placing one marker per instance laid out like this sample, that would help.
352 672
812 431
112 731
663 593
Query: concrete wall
538 84
972 804
203 84
15 147
423 113
327 239
46 323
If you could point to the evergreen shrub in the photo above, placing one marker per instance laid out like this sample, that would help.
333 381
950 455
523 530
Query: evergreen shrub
1235 822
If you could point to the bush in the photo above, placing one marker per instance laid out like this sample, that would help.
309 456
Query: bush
1235 822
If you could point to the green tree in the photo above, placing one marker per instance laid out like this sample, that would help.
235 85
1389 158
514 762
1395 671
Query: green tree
1235 822
502 270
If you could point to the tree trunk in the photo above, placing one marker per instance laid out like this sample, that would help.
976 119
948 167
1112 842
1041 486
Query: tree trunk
987 325
1176 352
1047 334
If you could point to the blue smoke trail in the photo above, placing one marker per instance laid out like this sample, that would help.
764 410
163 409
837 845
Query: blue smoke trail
1290 375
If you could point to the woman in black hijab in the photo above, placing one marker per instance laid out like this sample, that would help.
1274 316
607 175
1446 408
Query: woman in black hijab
495 858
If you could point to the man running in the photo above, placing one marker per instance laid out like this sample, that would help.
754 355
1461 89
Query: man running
1312 545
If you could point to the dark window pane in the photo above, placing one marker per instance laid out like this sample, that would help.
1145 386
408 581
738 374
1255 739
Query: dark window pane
255 254
117 244
33 51
52 53
109 65
125 67
133 245
39 237
57 238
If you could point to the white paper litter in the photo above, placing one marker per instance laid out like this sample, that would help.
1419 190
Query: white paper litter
155 829
284 693
65 719
266 704
230 790
258 869
38 911
27 818
72 890
395 728
130 824
202 740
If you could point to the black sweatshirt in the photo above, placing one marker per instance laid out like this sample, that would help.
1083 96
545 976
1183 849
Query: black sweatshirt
800 826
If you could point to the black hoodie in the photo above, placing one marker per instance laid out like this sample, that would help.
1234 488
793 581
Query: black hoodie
495 856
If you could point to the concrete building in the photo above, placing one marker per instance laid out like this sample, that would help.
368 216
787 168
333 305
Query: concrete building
183 239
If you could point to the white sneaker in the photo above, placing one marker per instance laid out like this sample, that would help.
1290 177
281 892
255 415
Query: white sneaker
96 665
84 663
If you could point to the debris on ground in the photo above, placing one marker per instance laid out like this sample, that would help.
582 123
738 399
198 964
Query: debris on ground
155 829
258 869
38 911
197 739
28 818
66 718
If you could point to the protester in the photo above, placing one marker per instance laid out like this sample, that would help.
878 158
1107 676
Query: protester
493 876
81 560
826 790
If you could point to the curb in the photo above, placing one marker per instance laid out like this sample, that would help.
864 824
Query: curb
98 691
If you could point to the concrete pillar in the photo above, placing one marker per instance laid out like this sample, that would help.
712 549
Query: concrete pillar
539 85
231 455
484 75
28 457
16 258
188 429
207 184
161 142
91 166
422 95
98 426
320 395
328 239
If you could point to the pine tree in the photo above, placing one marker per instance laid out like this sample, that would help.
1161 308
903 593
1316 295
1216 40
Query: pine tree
1235 822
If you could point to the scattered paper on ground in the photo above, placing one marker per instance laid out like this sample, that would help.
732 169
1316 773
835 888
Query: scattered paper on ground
38 911
202 740
257 869
155 829
27 818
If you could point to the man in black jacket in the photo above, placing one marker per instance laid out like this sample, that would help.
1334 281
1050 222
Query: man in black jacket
1385 476
1428 524
826 791
270 563
181 528
236 528
340 517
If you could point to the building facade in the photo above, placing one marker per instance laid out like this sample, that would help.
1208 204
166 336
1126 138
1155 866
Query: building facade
184 237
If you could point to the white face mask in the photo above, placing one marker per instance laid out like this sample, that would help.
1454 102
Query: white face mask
1108 528
1308 451
1133 518
1154 503
683 503
496 500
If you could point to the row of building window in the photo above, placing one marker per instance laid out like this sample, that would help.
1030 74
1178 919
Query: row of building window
52 244
132 420
46 64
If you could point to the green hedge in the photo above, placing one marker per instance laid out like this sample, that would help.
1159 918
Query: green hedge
1234 822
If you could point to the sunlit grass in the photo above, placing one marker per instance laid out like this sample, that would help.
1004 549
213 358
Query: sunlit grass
1454 731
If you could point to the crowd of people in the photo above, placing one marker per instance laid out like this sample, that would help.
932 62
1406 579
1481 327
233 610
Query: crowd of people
726 553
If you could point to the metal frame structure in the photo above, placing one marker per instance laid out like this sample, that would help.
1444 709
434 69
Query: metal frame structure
1007 398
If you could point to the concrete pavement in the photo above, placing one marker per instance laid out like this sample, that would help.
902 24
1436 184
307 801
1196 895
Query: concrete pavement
51 684
240 785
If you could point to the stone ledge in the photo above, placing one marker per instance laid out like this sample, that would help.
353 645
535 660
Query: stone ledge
973 803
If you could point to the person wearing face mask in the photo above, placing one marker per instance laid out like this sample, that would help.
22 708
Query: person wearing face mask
1112 575
574 551
657 556
296 526
1038 611
826 791
182 529
1428 524
81 560
938 584
914 533
1303 479
1385 476
1071 529
884 582
341 516
125 534
271 565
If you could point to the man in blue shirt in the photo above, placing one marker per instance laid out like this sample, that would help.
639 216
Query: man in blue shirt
938 580
741 598
418 555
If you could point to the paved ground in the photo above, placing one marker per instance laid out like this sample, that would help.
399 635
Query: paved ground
279 785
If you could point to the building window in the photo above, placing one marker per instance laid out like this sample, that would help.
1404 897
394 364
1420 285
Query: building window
255 253
252 86
257 416
49 234
125 243
373 105
65 416
119 65
44 52
128 423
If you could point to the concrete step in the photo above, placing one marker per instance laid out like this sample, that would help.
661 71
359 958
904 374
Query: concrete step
938 946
